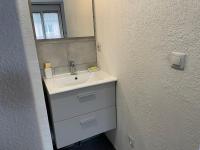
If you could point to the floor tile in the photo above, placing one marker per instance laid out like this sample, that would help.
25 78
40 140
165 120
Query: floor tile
99 142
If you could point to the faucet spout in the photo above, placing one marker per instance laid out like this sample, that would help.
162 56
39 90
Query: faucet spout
72 67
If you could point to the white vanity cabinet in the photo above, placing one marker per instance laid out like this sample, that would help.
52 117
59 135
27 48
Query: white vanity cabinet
82 113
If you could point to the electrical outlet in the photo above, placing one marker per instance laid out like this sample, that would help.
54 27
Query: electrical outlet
131 141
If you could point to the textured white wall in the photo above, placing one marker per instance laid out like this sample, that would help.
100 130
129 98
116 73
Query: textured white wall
158 105
34 72
23 118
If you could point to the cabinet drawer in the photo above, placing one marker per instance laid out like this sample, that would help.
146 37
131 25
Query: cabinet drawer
74 103
79 128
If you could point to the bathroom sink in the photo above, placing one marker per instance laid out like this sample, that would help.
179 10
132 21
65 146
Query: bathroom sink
67 82
70 80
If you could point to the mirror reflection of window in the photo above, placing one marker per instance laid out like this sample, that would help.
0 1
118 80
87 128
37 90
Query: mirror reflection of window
38 25
51 24
47 22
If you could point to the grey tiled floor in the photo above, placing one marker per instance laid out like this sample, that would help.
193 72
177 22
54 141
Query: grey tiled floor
96 143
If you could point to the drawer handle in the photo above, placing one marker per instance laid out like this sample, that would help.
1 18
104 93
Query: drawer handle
86 97
88 122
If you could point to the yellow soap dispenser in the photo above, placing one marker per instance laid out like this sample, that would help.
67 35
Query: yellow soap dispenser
48 70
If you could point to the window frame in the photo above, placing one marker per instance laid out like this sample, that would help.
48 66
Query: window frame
42 8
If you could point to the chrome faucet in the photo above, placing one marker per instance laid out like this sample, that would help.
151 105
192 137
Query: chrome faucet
72 67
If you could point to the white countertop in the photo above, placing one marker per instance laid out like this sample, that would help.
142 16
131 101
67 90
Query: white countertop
66 82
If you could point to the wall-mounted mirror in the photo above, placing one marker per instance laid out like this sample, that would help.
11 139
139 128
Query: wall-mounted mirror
56 19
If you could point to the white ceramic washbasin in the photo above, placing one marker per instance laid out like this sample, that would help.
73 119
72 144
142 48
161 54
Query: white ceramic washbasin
67 82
